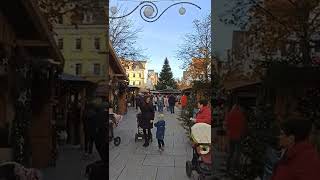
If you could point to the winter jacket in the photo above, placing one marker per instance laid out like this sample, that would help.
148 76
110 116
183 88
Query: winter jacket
184 101
235 122
147 114
300 162
204 115
172 100
91 123
161 127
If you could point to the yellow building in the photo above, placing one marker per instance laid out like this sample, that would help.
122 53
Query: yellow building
136 72
84 47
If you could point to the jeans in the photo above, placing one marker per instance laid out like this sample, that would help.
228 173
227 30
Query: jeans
147 136
171 107
160 143
234 155
160 108
272 157
88 147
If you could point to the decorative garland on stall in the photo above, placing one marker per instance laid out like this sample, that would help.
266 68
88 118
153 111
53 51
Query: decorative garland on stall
21 123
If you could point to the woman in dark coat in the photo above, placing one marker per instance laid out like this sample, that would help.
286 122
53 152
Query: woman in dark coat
147 115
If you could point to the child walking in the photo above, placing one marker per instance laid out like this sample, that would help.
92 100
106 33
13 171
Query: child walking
161 127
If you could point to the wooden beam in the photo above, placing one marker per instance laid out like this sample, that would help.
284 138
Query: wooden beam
32 43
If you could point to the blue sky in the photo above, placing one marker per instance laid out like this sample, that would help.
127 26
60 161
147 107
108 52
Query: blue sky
161 38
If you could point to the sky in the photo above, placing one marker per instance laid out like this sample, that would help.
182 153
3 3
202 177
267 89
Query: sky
161 39
222 33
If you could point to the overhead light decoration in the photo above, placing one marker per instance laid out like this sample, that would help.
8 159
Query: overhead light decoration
149 10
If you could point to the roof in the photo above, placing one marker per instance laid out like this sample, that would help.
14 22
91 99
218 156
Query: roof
69 77
282 76
31 29
115 62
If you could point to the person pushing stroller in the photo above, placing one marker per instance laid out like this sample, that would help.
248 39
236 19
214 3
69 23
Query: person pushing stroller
161 127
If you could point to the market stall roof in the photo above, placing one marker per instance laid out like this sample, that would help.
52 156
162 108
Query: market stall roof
69 77
133 87
239 83
115 63
174 91
31 29
282 76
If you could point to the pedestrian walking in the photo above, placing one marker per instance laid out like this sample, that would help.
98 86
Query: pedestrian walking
147 115
161 127
183 104
160 103
235 123
90 129
154 102
172 102
166 102
300 160
101 140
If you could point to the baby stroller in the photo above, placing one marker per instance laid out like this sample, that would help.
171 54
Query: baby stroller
113 122
202 160
139 134
15 171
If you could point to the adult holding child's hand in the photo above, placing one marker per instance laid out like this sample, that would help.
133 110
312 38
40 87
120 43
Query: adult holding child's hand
147 115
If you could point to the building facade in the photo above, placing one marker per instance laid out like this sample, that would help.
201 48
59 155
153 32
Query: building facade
84 46
136 72
152 79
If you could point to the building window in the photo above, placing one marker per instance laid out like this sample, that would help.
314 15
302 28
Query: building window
60 43
97 43
78 43
140 75
60 19
133 75
96 69
78 69
139 83
317 46
134 83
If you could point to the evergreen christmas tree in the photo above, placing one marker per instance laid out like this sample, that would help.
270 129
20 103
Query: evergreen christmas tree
166 77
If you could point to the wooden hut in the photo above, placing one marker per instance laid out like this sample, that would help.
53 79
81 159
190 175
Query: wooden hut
30 63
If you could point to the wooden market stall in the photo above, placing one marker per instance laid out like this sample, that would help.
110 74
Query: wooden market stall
30 63
118 83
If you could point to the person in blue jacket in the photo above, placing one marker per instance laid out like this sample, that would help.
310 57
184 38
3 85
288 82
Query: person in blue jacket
161 127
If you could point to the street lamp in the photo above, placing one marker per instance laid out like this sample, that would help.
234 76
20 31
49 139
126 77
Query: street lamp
149 10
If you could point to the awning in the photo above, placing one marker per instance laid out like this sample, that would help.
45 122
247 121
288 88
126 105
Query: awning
69 77
240 83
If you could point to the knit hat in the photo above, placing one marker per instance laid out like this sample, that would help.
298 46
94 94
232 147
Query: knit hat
161 116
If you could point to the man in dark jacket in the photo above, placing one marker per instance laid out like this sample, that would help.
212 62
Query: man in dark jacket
90 127
101 117
172 103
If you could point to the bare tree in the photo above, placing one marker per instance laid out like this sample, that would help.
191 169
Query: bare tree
197 47
53 10
286 27
124 35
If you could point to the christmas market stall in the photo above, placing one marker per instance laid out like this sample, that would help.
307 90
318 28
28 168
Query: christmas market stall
74 92
30 63
118 83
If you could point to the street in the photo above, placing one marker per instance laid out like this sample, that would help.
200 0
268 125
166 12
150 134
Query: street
131 160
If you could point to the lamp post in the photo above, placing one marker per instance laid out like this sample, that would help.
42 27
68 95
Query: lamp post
149 10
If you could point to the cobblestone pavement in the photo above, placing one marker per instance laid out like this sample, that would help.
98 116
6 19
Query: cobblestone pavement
132 161
70 165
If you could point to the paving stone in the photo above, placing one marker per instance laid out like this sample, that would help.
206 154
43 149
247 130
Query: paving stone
159 161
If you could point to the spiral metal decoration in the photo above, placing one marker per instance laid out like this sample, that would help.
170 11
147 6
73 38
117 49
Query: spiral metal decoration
149 4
